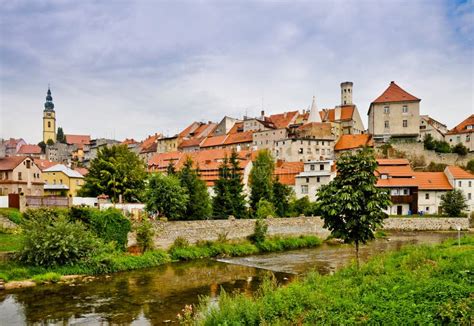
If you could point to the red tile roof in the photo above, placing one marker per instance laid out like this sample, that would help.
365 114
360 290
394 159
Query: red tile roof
397 182
213 141
329 115
29 149
462 127
129 141
237 127
78 140
459 173
193 142
44 164
283 120
395 170
395 93
9 163
240 137
393 161
82 171
347 142
150 144
286 172
432 181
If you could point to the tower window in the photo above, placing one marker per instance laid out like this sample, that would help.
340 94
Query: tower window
49 124
349 90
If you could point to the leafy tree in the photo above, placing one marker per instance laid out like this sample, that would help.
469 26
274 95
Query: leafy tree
236 187
460 149
428 142
115 171
198 207
145 233
60 137
265 209
281 198
170 169
50 142
260 231
222 205
470 166
42 144
453 203
301 206
442 146
351 206
261 179
166 197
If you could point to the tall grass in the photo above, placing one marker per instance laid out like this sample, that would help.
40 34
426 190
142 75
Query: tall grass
416 285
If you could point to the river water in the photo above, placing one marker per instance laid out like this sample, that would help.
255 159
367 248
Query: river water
155 296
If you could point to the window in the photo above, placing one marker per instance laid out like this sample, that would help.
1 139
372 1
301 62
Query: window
321 167
470 184
459 183
405 109
312 167
387 124
307 180
322 143
300 151
304 189
61 181
427 209
405 123
405 191
49 124
469 196
468 139
318 179
427 196
386 109
19 176
28 164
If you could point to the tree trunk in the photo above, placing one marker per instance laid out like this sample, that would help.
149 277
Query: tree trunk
357 254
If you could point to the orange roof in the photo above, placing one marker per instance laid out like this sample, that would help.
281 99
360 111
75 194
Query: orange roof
29 149
395 93
190 142
283 120
149 144
432 181
395 170
286 172
459 173
162 160
78 139
240 137
214 141
392 161
129 141
44 164
347 111
397 182
9 163
237 127
346 142
462 127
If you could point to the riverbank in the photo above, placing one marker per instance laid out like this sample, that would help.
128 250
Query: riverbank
418 284
13 272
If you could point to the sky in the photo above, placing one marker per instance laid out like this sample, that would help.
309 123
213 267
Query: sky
122 69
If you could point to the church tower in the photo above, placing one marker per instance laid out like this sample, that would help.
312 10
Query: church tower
346 93
49 119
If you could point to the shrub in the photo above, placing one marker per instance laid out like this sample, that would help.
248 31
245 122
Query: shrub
145 233
302 206
470 166
453 203
265 209
180 242
49 277
111 225
12 214
44 214
260 231
460 149
58 242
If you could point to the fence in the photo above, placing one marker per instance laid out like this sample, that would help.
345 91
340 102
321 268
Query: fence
40 201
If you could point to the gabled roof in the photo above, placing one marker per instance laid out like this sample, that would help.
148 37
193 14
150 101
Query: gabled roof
10 163
286 172
395 93
150 144
395 170
64 169
432 181
396 182
78 140
240 137
329 115
283 120
462 127
193 142
82 171
459 173
213 141
29 149
347 142
44 164
129 141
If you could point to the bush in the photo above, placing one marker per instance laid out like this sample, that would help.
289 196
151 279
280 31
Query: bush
44 214
12 214
260 231
265 209
145 233
453 203
58 242
110 225
302 206
435 167
460 149
470 166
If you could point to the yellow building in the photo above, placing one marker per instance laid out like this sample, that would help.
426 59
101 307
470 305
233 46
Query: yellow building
62 181
49 119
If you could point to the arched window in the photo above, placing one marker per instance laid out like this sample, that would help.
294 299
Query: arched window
49 124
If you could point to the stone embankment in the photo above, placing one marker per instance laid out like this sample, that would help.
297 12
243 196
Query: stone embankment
232 229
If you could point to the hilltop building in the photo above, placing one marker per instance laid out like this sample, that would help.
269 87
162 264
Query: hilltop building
463 133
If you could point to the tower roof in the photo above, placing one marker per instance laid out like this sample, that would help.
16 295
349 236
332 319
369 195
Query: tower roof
314 113
49 105
395 93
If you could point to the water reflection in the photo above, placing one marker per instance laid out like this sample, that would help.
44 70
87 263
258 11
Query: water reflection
155 296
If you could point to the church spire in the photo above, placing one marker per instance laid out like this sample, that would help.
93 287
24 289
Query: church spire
49 105
314 113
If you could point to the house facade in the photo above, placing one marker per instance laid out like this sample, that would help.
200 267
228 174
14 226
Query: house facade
20 175
429 126
62 181
464 181
463 133
315 174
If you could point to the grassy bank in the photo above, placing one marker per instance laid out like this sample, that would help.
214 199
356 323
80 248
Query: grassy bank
10 241
118 261
416 285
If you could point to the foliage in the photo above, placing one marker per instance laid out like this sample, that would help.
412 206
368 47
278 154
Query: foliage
50 142
236 187
145 233
43 214
42 145
417 285
265 209
198 207
281 198
460 149
417 161
453 203
60 137
55 243
50 277
10 241
12 214
281 244
470 166
165 197
301 206
170 169
261 178
115 171
111 225
428 142
439 146
260 231
435 167
351 206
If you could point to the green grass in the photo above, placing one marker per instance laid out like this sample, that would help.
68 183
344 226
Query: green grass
49 277
12 214
416 285
10 241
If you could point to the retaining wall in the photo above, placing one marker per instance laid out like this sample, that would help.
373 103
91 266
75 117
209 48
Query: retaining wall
193 231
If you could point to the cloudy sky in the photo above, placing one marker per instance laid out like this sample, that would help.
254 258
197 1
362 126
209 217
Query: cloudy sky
132 68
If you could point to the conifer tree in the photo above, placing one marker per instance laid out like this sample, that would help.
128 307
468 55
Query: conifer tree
261 179
236 187
222 202
281 198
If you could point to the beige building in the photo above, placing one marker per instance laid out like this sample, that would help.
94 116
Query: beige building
431 186
49 119
429 126
62 181
20 175
167 144
463 133
315 174
394 114
303 150
226 124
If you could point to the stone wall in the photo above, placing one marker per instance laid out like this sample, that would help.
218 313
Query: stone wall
417 150
193 231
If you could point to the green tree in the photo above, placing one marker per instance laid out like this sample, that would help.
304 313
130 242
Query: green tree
265 209
453 203
166 197
115 171
442 146
351 206
50 142
470 166
428 142
60 137
198 206
261 179
460 149
236 187
145 233
42 145
281 198
222 205
301 206
170 169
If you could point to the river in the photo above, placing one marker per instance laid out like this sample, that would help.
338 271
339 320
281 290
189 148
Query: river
155 296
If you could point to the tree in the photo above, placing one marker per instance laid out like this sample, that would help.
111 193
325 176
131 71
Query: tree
222 201
166 197
42 144
198 206
301 206
261 179
236 187
442 146
428 142
281 198
50 142
265 209
453 203
470 166
170 169
351 206
60 137
460 149
115 171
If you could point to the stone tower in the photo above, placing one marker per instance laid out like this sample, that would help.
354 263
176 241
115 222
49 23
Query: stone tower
346 93
49 119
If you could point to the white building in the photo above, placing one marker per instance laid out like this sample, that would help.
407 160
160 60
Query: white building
463 180
315 174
